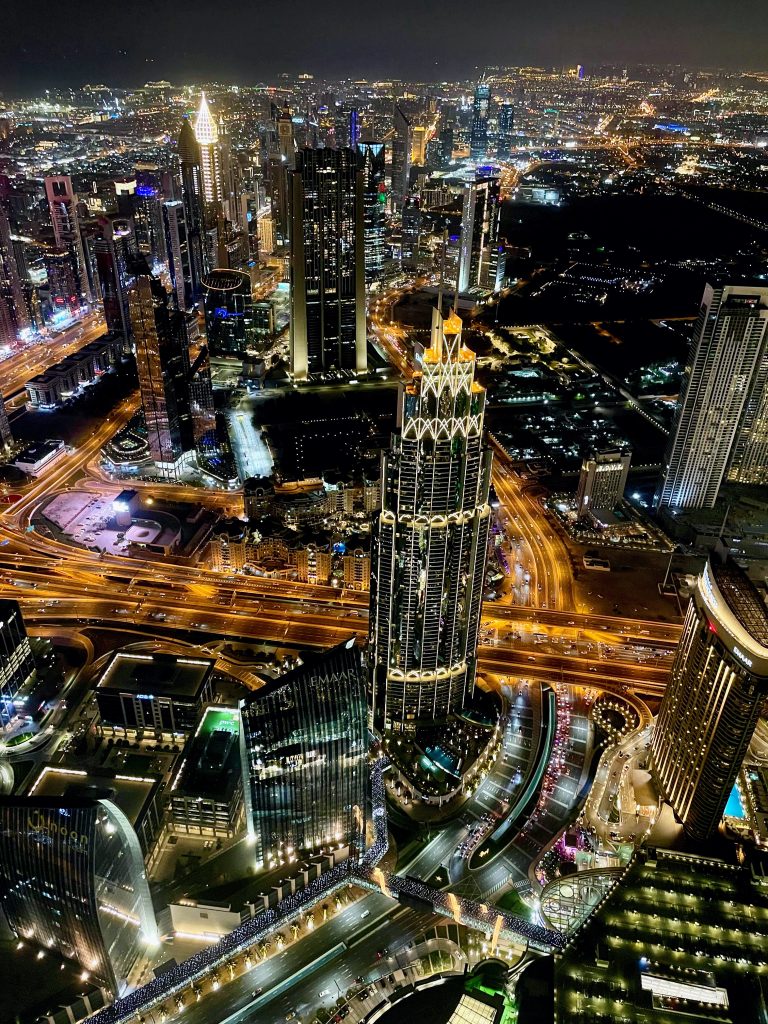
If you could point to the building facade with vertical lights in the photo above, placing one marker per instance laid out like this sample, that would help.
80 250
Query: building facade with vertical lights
304 749
713 698
430 541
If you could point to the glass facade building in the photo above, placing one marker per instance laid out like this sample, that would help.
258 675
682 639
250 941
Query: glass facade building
304 748
430 542
481 108
230 320
73 881
718 683
371 161
479 262
17 663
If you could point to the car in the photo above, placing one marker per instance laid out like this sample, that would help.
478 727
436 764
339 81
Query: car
290 1015
256 993
365 913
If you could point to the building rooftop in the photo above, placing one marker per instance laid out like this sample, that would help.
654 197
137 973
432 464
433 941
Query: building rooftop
132 794
211 764
159 675
743 599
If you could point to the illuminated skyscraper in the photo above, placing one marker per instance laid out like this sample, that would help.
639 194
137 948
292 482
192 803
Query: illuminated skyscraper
304 747
713 698
110 250
430 541
207 137
480 265
162 360
328 328
192 198
285 142
402 144
602 481
371 161
62 204
14 317
504 131
230 325
72 880
17 662
721 423
478 137
178 253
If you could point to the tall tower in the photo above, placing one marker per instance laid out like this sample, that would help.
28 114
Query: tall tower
111 254
430 541
13 307
479 263
721 422
162 360
207 137
712 701
478 136
504 128
285 144
192 198
402 143
62 203
327 263
371 161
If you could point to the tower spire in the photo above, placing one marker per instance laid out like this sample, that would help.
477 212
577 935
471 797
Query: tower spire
206 131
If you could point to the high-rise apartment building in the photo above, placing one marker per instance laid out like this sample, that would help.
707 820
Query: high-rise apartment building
178 257
13 307
72 880
480 263
230 320
328 329
192 198
721 423
162 360
505 125
718 683
602 481
478 135
110 250
304 747
402 145
62 204
371 162
430 540
17 663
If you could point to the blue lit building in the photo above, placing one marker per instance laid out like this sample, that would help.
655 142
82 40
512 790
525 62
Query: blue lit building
230 322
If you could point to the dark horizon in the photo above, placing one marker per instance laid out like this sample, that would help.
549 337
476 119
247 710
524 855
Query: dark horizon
445 42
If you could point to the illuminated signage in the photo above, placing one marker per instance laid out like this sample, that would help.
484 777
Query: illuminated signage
742 656
48 827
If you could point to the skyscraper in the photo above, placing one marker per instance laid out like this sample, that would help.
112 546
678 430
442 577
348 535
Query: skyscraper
17 663
230 324
721 422
14 308
371 161
504 131
430 541
162 360
62 204
602 481
328 328
304 748
478 136
178 255
402 144
712 702
72 880
192 198
207 137
110 251
480 265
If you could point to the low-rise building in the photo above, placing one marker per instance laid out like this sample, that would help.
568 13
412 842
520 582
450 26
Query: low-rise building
313 564
357 570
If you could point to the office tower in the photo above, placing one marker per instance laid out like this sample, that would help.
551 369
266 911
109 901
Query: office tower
430 539
420 138
446 146
504 131
17 663
712 702
304 749
602 481
207 137
721 421
63 282
62 204
146 205
201 407
6 434
371 160
177 253
478 136
285 143
162 360
14 317
402 144
411 234
354 128
110 252
192 198
480 265
73 881
327 263
229 315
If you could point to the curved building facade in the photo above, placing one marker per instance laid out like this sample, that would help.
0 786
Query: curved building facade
73 880
430 542
230 322
304 746
712 701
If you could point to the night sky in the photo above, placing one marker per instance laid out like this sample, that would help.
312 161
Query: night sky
125 42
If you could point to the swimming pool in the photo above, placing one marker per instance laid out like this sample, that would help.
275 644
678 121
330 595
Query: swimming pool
735 806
